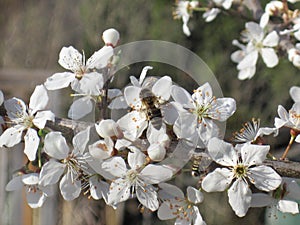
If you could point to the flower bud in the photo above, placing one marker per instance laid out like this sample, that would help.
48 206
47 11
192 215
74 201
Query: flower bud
109 128
111 37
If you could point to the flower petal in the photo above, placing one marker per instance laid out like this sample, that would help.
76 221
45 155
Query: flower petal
119 191
35 199
80 108
194 195
147 196
295 93
287 206
264 178
239 197
101 149
81 139
51 172
115 166
31 144
271 40
169 191
59 80
181 96
39 99
11 136
42 117
269 57
15 184
162 88
100 58
154 174
218 180
248 61
70 58
165 213
55 145
15 108
222 152
132 97
136 158
254 154
69 188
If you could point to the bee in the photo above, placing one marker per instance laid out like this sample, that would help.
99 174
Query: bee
199 163
195 170
151 104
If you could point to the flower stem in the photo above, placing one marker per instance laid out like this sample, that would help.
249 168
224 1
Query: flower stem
292 139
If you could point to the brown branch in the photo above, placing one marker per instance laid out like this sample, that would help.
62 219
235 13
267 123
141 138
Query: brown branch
70 127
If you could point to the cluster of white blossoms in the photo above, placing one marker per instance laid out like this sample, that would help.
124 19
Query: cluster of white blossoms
130 157
278 30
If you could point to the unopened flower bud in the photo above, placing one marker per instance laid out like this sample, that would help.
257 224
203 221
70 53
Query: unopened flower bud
109 128
111 37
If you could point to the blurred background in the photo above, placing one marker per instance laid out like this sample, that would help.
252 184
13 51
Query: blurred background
32 34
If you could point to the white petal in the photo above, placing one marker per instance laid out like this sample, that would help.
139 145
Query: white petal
133 124
101 149
284 117
97 187
154 174
30 179
35 199
168 191
1 97
203 94
136 158
31 144
255 30
287 206
185 125
162 87
39 99
186 29
169 113
249 60
59 80
51 172
271 40
156 152
100 58
247 73
15 184
70 59
42 117
11 136
264 20
237 56
147 196
115 166
222 152
90 84
80 108
165 213
197 217
269 57
239 197
211 14
194 195
55 145
132 97
119 191
254 154
223 109
81 139
143 74
295 93
108 128
218 180
181 96
15 108
264 178
69 188
261 200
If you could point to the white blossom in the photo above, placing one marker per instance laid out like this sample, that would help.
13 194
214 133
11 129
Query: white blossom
200 112
35 194
284 198
66 164
184 10
29 119
138 179
211 14
82 77
176 205
241 171
294 55
289 119
257 43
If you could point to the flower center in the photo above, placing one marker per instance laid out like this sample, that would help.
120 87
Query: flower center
295 117
240 171
132 176
27 121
